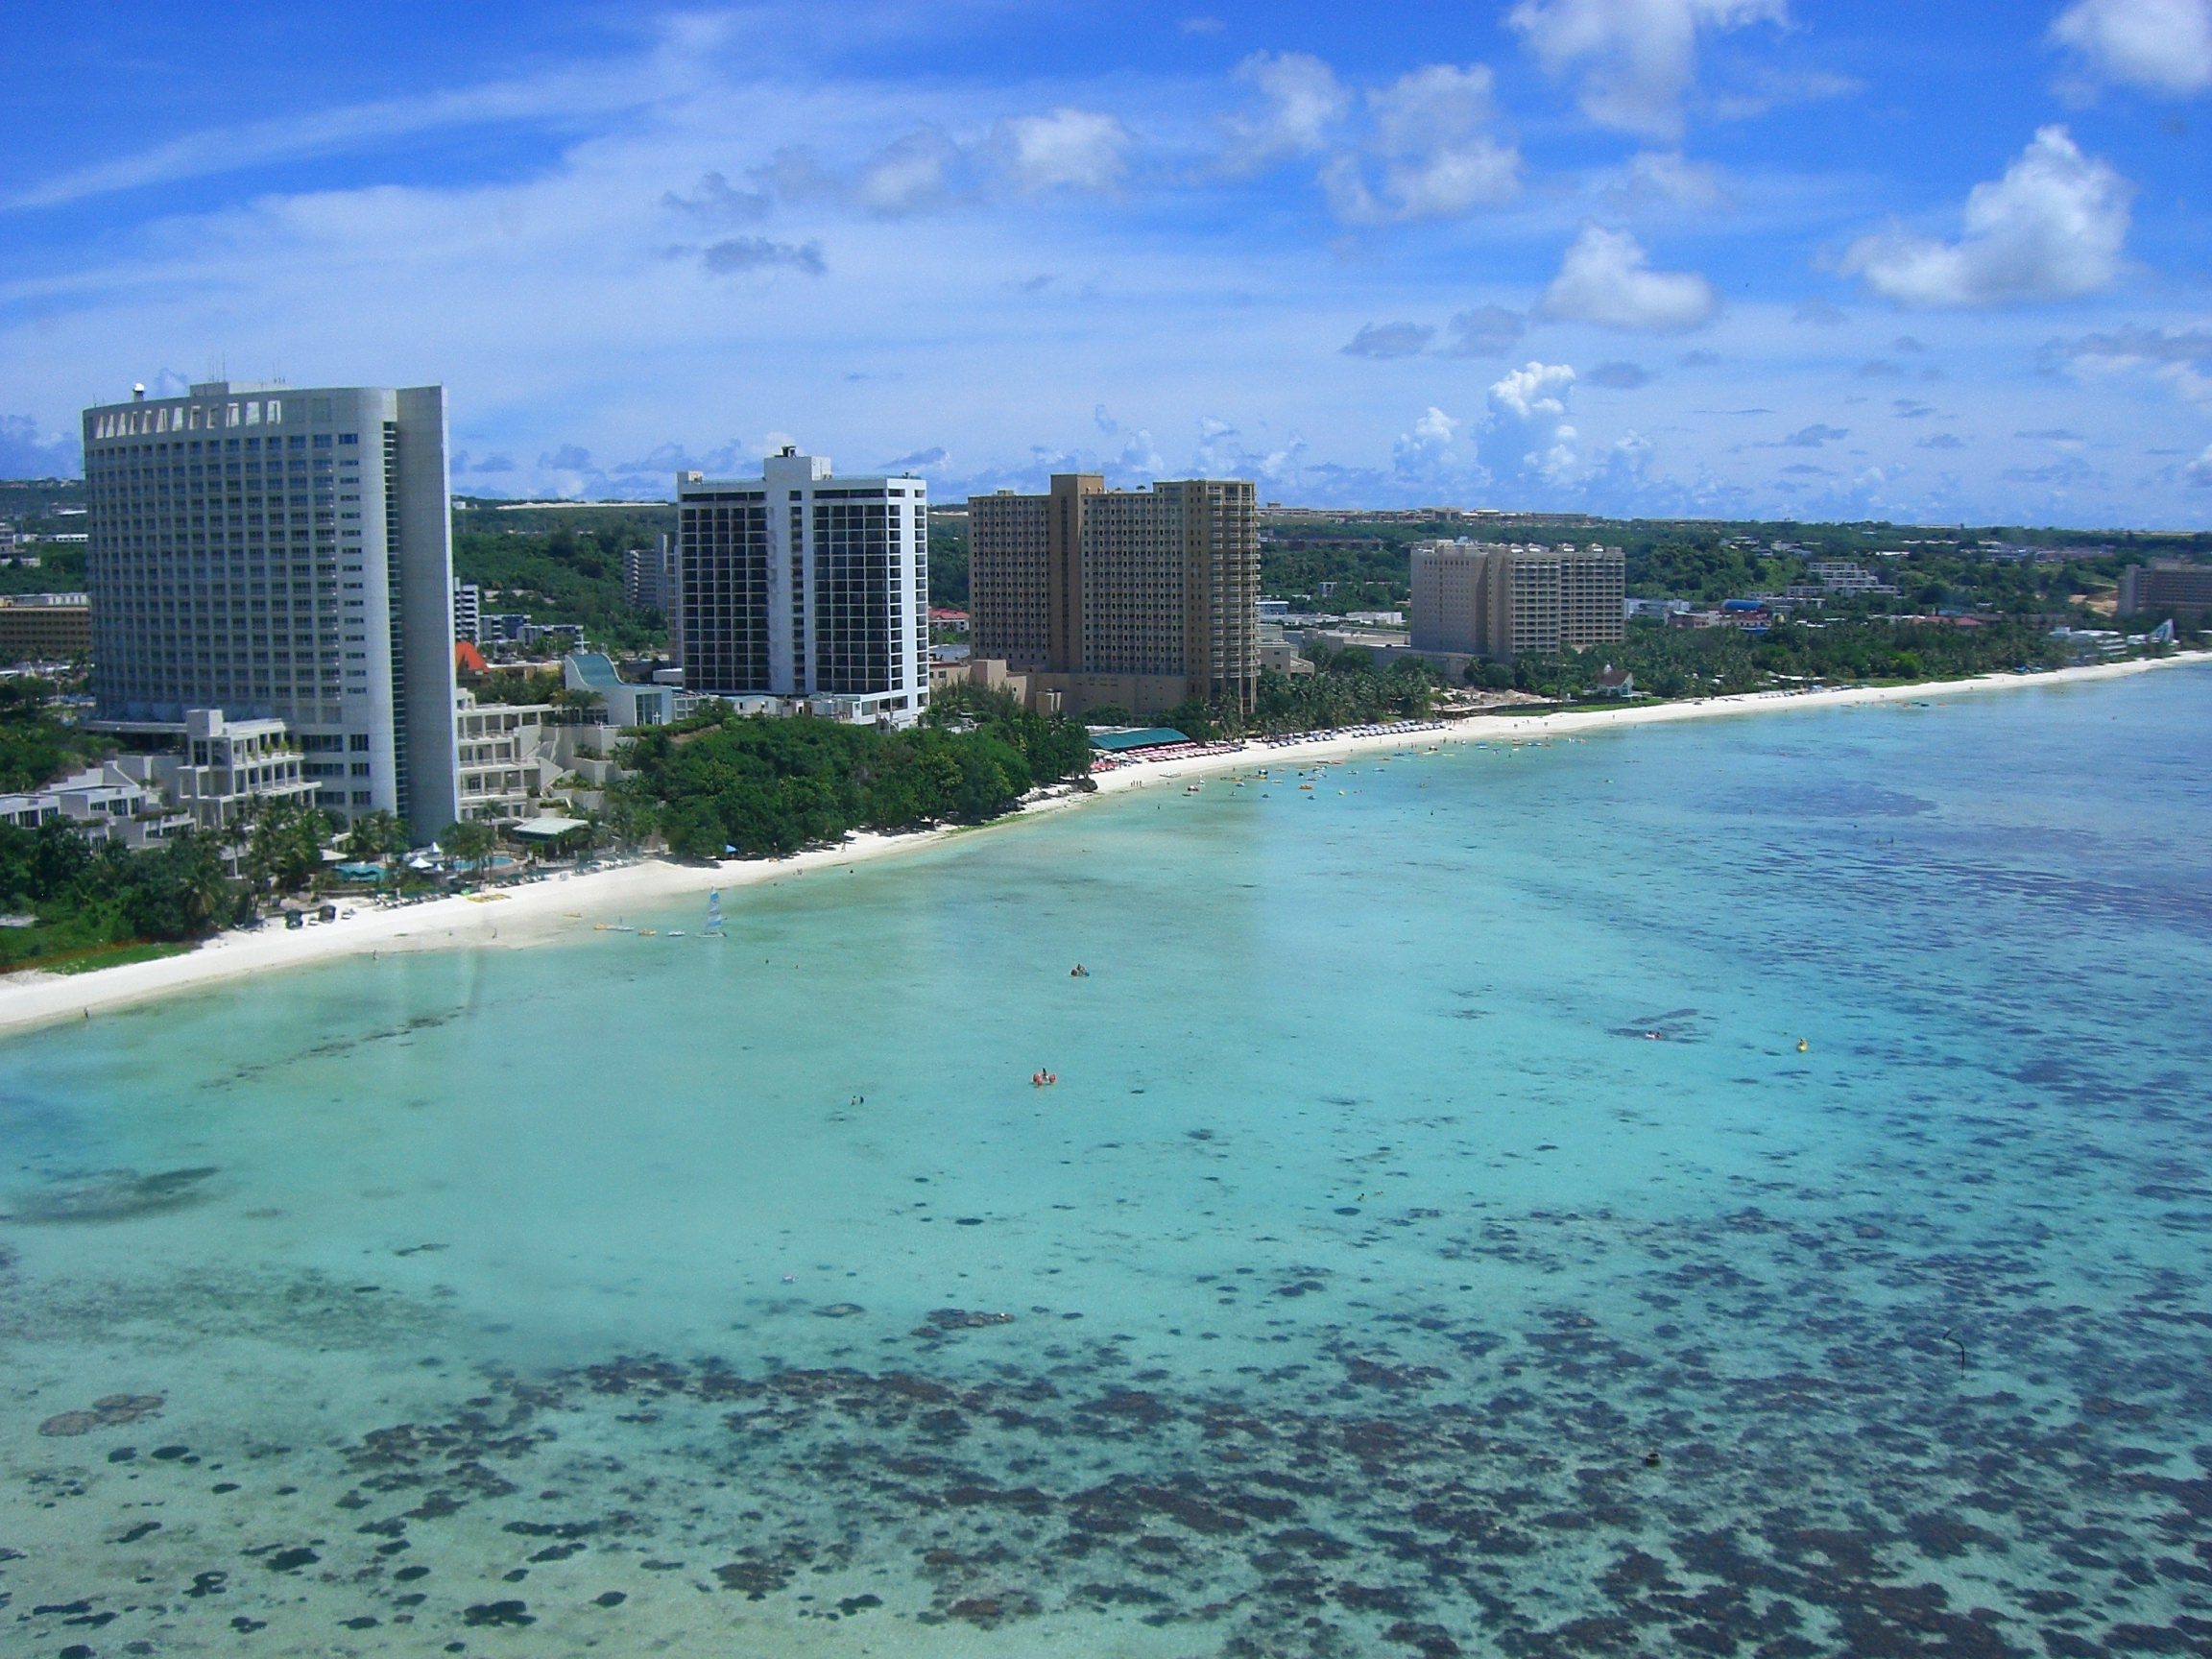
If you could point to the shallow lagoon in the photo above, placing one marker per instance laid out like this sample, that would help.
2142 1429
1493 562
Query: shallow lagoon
1370 1282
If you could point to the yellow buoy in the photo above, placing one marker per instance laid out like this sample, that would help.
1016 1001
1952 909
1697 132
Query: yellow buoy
1802 1044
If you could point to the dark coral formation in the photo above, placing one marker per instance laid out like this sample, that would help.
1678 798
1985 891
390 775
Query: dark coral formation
110 1413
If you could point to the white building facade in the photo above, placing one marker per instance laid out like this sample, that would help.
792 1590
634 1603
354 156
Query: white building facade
806 587
467 613
283 553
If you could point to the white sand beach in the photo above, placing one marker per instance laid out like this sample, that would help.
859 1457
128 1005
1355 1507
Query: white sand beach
519 917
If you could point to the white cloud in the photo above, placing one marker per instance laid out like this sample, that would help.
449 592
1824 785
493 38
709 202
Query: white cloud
1604 280
2052 227
1435 428
1301 103
902 177
1525 439
1638 56
1454 181
906 175
1537 390
1666 179
558 99
1431 107
2159 46
2181 357
29 451
2200 469
1067 149
1439 161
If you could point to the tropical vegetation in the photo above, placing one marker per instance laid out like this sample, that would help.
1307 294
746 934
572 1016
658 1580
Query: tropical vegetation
84 900
1712 661
35 747
763 787
1345 689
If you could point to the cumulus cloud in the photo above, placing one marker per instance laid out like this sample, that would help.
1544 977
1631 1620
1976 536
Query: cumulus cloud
2161 46
2052 227
1067 149
1638 58
1136 458
2181 357
1422 454
741 253
1436 158
1620 376
1221 453
1813 437
1666 179
1299 103
906 175
1526 437
1941 441
1535 390
1604 280
1390 340
28 450
2199 470
1437 104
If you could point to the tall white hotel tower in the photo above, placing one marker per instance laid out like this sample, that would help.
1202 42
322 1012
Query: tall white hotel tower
800 586
273 551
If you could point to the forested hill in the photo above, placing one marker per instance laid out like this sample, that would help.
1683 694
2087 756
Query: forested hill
1359 561
560 563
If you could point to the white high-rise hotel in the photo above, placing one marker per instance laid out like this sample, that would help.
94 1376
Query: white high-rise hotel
277 551
798 586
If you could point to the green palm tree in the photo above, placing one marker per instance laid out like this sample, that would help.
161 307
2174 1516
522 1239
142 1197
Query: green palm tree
376 834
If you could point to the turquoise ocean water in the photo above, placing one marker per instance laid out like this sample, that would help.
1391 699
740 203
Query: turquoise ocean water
1436 1241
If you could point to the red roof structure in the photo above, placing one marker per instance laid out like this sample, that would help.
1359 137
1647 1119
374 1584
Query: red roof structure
467 659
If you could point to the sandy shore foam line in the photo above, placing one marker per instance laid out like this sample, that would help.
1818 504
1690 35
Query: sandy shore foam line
536 912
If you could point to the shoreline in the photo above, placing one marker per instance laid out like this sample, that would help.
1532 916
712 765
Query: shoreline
521 917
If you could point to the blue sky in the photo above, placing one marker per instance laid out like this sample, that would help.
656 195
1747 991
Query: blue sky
1800 259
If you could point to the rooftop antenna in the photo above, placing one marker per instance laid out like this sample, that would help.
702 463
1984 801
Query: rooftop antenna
138 392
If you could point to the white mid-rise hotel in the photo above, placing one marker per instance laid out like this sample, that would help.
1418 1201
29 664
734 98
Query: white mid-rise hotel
800 586
280 552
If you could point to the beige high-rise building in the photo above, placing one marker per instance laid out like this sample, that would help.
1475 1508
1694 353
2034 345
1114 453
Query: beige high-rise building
1488 599
1138 598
